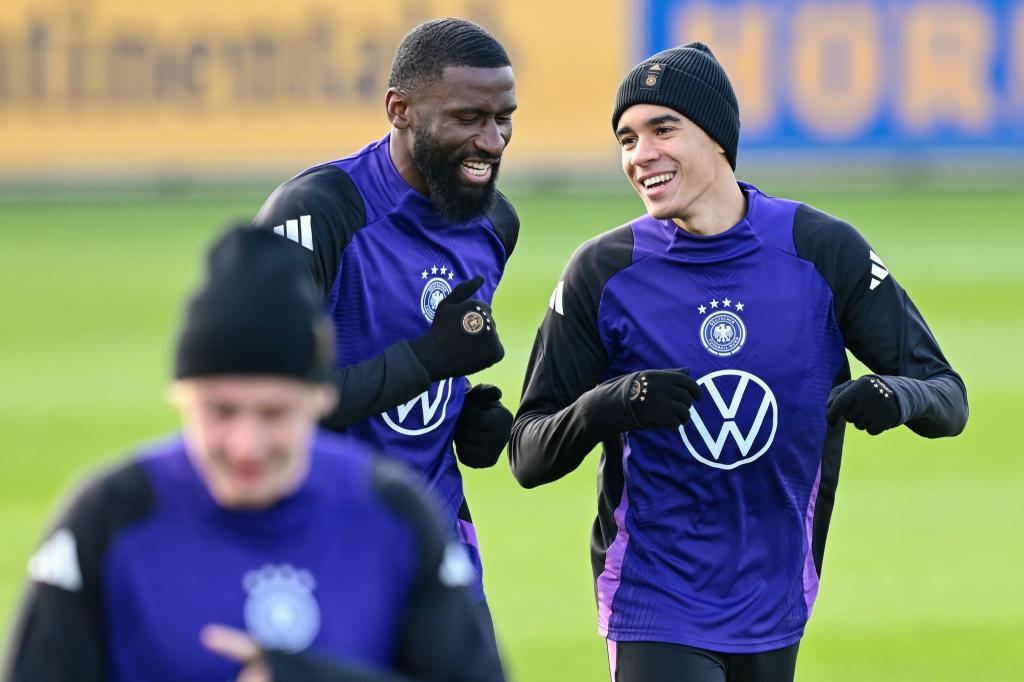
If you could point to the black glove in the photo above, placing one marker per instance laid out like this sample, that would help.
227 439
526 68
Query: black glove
649 399
867 403
483 428
462 338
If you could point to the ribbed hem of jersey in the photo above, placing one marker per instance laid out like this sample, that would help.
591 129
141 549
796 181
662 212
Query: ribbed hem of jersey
733 647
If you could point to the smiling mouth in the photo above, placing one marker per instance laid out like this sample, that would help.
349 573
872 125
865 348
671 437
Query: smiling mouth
478 169
656 181
478 173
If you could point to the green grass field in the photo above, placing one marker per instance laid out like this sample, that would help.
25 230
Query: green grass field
922 573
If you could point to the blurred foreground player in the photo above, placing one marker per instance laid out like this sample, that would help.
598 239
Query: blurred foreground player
406 241
252 519
717 482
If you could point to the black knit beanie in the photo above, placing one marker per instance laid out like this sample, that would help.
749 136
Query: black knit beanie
690 80
255 313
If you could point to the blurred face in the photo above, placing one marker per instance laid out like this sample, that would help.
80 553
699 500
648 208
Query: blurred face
460 127
670 161
249 437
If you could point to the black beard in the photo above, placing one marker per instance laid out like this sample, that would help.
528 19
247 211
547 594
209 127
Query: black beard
453 201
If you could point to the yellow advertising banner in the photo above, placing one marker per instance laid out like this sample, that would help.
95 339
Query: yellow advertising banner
115 88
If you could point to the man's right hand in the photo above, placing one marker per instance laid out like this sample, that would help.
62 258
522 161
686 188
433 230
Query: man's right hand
659 397
462 339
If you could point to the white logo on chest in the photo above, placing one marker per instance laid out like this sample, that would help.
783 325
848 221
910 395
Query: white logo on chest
422 414
749 419
436 289
722 332
280 611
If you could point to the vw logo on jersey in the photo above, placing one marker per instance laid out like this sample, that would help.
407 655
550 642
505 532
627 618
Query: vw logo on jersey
422 414
280 611
737 425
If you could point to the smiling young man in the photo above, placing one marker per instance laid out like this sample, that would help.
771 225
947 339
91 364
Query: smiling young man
717 481
330 563
406 241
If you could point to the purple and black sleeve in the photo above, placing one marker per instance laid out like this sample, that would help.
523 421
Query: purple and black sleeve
881 326
565 410
60 634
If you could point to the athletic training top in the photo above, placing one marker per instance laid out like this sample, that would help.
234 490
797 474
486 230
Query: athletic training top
356 566
712 535
383 259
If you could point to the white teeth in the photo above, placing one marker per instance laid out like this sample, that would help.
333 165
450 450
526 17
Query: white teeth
477 168
658 179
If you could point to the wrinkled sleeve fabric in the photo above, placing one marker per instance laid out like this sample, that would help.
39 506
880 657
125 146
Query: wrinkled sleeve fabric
881 326
566 410
60 632
318 213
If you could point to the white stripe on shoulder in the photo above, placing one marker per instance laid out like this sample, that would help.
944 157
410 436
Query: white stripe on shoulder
299 231
56 562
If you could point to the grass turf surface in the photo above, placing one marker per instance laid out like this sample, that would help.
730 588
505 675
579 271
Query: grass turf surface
921 572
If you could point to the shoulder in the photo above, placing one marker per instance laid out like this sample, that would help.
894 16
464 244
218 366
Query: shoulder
113 497
505 221
597 259
94 514
326 195
835 247
814 229
581 285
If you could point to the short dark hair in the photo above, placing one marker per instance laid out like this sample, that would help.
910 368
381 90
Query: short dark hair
426 50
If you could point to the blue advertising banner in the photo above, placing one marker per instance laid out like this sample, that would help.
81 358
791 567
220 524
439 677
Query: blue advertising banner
861 74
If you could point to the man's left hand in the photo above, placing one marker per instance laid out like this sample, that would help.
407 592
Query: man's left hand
867 403
483 428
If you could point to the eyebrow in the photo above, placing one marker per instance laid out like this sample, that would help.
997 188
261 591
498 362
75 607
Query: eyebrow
476 111
650 123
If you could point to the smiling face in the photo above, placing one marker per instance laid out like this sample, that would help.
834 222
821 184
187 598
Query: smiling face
675 167
249 437
457 129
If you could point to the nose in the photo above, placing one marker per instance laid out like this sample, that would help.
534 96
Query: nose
491 141
644 151
246 440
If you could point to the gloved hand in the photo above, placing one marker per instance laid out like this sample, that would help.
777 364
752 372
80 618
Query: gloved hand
483 428
462 338
648 399
867 403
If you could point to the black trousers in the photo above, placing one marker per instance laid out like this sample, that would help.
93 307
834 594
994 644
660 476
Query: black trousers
661 662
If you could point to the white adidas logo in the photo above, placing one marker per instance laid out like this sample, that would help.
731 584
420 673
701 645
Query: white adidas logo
555 302
56 562
299 231
878 271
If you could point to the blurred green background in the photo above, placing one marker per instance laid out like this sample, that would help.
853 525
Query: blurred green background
921 578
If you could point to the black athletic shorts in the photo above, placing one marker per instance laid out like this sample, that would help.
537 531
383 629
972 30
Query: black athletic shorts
661 662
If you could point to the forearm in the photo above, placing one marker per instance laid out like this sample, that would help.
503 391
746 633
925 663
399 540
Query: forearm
932 407
547 445
376 385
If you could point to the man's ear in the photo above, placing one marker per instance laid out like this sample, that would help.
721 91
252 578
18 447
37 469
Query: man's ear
396 103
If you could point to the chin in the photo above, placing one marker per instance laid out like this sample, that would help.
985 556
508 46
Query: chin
247 498
660 212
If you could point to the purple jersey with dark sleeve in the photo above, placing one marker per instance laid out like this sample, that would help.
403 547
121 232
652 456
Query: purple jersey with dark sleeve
383 259
712 535
356 567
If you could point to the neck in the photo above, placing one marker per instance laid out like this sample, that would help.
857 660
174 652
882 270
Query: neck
400 148
723 205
